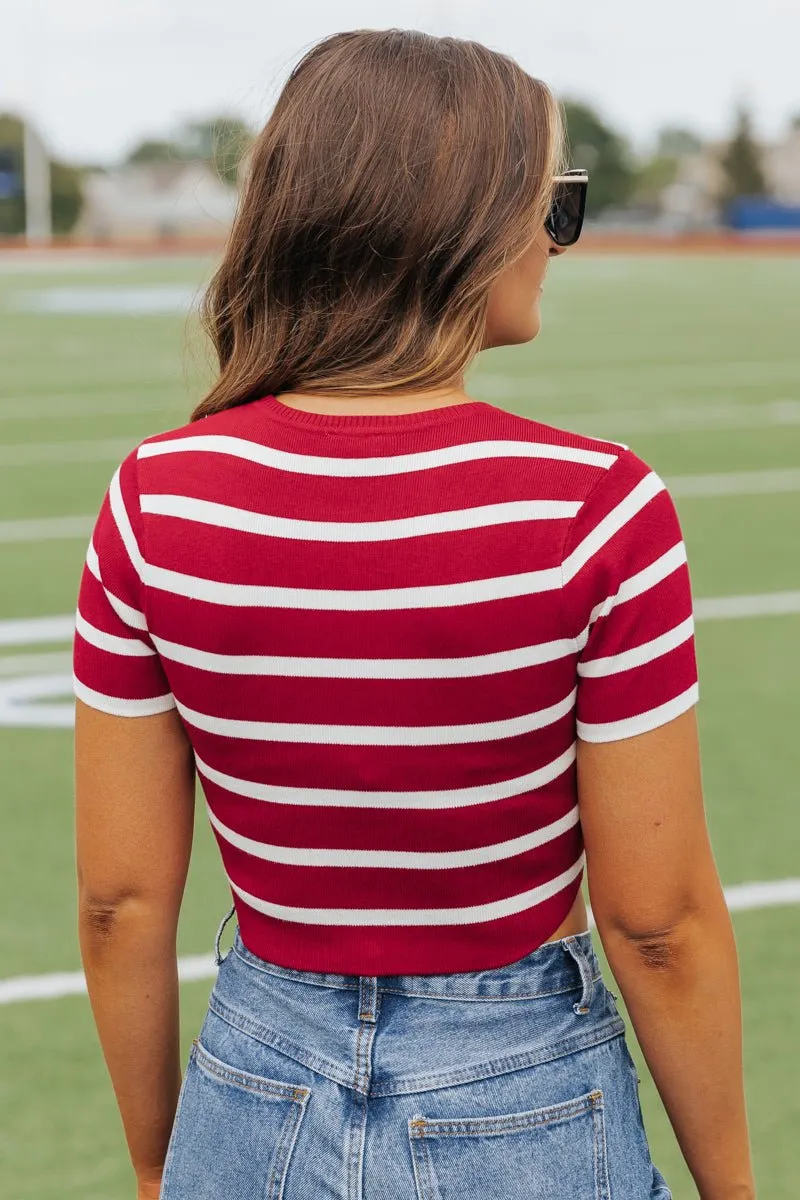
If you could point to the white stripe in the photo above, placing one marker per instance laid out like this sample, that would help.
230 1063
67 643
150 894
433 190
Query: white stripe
109 641
317 856
386 917
369 668
120 514
612 731
379 735
740 898
24 632
612 522
483 793
474 591
718 485
447 595
129 616
637 656
389 464
642 581
119 707
225 516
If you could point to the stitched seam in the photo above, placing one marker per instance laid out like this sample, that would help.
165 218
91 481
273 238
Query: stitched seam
475 1126
589 496
517 1062
267 1037
246 1081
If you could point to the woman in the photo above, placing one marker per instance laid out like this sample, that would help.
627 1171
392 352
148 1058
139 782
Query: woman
427 658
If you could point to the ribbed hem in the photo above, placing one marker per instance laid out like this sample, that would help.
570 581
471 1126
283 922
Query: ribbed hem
370 423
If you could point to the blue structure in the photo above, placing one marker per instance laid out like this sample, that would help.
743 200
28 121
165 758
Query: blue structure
750 213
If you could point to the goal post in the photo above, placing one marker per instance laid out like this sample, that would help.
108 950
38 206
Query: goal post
38 199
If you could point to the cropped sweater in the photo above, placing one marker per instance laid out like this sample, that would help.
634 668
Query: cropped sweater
384 636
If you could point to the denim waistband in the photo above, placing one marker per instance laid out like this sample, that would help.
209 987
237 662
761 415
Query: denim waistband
547 970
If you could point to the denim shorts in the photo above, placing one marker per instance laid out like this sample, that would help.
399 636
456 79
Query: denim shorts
509 1082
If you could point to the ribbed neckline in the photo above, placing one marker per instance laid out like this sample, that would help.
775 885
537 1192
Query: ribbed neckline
370 422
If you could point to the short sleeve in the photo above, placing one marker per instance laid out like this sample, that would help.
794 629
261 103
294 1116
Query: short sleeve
628 593
116 667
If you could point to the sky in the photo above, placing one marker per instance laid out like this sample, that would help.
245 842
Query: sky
96 76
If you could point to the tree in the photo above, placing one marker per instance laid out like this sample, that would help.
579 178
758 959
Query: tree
66 184
219 141
674 142
652 177
741 162
605 153
222 142
153 150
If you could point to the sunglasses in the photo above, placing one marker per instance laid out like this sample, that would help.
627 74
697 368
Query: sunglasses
565 219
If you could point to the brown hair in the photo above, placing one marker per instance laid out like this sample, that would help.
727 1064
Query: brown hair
398 174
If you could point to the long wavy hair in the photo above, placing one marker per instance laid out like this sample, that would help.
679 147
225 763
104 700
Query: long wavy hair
397 176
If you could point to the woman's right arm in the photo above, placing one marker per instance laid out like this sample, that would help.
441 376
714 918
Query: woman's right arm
661 914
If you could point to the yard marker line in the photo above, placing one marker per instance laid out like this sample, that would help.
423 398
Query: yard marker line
46 529
66 405
694 418
735 483
740 898
47 663
749 373
725 608
29 631
29 454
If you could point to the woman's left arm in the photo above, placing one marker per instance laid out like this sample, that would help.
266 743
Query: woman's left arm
134 814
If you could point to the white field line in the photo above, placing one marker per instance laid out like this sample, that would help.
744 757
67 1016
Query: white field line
67 405
727 608
688 418
653 419
735 483
47 663
686 487
30 454
30 631
740 898
46 529
638 377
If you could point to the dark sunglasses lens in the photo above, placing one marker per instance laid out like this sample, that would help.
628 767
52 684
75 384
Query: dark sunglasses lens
566 215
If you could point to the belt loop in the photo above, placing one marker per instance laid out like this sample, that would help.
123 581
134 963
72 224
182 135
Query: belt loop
574 948
218 958
367 998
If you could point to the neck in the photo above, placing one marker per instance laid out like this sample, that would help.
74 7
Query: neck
375 404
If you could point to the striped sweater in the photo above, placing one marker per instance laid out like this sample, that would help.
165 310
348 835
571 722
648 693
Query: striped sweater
383 635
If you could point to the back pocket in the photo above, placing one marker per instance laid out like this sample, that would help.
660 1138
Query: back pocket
233 1134
543 1154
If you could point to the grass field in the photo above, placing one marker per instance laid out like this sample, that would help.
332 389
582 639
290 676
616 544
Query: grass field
693 361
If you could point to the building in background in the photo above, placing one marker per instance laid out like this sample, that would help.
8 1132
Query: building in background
162 201
691 201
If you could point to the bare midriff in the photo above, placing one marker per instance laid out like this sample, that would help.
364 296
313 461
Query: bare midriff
576 920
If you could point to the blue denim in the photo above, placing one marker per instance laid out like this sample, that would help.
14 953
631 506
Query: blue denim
510 1082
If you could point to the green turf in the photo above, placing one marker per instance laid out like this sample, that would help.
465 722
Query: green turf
628 345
